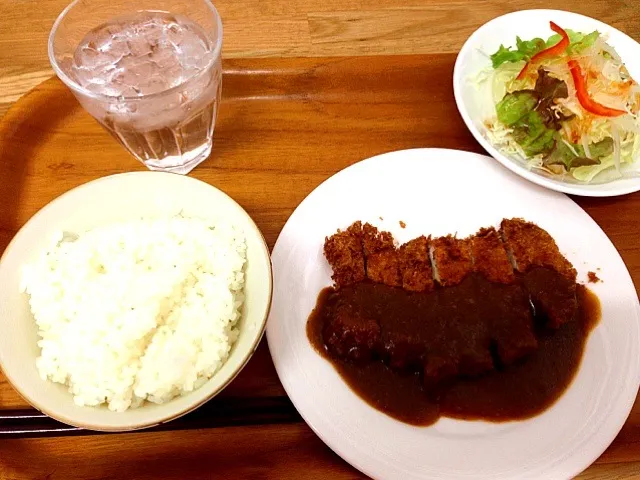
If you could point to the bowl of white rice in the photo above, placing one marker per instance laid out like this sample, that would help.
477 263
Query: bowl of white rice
132 300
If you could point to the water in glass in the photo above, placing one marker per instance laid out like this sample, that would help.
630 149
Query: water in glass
156 84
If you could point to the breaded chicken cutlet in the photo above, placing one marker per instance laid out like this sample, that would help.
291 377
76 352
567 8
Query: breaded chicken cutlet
343 250
536 256
530 246
484 286
382 260
415 265
490 258
452 260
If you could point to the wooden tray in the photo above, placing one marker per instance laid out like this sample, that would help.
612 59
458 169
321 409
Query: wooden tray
285 125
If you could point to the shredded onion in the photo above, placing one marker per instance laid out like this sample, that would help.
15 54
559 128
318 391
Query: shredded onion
616 146
572 105
573 150
566 130
585 145
560 71
602 45
627 123
611 71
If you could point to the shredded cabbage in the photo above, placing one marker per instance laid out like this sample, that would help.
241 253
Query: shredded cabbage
629 156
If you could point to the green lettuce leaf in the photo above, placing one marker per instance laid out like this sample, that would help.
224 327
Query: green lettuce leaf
585 42
515 106
578 41
556 37
524 50
562 154
601 149
529 47
533 135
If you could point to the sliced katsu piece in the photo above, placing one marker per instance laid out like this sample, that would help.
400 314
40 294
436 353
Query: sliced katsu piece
460 338
486 315
415 265
505 304
464 331
507 311
403 345
452 260
490 257
381 256
553 296
547 275
350 332
531 246
344 252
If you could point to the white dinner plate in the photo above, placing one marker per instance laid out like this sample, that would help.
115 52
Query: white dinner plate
476 104
439 192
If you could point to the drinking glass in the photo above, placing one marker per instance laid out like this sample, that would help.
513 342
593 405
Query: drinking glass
148 71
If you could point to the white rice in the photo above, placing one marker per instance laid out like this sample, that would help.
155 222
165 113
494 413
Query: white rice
135 311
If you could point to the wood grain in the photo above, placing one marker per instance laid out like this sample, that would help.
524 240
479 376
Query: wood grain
278 452
285 125
300 28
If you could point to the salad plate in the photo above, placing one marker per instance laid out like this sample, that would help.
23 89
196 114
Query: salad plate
554 97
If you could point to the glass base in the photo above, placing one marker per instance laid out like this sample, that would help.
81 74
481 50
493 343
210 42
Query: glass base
180 164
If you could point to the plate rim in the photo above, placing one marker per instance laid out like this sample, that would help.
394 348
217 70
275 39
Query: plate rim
351 458
586 190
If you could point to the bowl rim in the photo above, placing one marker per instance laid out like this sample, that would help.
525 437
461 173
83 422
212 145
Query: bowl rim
169 416
616 187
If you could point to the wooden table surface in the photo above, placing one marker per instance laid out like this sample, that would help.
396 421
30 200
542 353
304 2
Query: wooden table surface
300 28
258 29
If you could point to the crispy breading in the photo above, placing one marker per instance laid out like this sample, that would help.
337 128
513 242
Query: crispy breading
531 246
375 241
415 265
381 256
451 259
490 257
344 252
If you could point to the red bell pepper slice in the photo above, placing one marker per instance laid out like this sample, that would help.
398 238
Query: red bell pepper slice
553 51
589 104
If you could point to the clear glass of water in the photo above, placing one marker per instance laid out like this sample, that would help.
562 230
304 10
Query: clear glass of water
148 70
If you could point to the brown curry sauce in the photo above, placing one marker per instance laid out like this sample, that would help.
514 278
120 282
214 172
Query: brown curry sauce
513 393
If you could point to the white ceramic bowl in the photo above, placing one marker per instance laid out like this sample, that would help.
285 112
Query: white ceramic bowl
476 105
116 198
